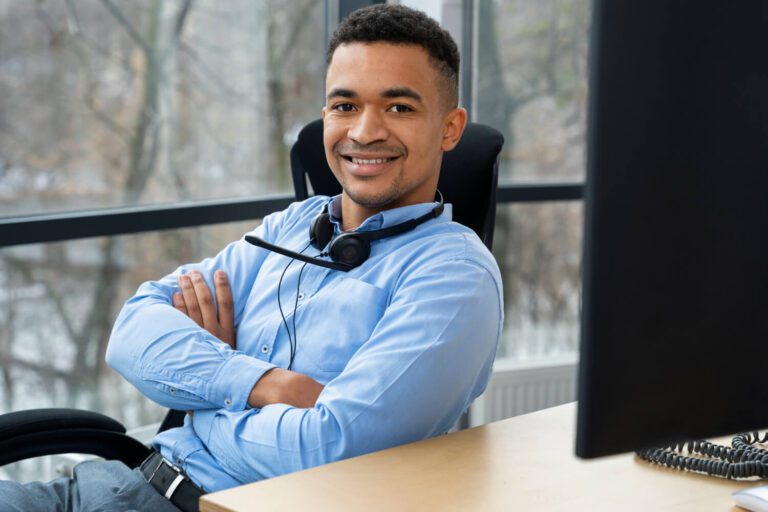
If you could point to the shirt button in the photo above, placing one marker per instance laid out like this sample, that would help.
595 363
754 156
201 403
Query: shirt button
172 390
264 349
301 296
227 402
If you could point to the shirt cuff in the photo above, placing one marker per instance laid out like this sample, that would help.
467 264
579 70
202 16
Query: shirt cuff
235 380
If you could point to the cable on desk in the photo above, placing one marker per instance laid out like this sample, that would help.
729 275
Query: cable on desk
743 459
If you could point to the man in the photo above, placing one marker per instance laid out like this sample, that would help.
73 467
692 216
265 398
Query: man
284 365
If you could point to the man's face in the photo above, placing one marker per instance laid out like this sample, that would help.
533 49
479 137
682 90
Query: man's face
386 125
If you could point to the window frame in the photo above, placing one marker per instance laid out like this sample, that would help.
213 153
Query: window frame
63 226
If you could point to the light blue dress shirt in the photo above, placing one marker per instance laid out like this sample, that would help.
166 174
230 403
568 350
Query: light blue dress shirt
403 344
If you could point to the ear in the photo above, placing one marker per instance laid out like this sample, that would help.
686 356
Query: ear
323 114
454 124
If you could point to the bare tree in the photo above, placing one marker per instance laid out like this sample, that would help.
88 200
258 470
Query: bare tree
542 62
137 88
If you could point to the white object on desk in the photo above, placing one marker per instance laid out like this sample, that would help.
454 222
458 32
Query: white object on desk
754 498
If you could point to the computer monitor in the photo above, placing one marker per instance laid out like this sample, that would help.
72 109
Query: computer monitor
674 336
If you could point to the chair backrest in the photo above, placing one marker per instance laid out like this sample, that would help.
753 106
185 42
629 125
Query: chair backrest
468 176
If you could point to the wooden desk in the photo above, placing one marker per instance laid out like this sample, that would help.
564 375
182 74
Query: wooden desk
523 463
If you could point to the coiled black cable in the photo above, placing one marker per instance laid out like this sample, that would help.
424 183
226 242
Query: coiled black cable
743 459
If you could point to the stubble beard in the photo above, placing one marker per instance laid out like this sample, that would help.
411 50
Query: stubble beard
378 199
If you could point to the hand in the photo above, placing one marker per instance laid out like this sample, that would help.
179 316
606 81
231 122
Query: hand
276 385
280 386
195 301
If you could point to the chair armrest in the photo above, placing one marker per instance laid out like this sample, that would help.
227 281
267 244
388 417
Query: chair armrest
38 432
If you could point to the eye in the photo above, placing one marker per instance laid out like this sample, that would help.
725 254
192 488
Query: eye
400 109
344 107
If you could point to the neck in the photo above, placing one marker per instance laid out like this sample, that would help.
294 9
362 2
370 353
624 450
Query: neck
353 214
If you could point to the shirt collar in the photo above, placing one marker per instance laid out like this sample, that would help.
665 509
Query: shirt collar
387 218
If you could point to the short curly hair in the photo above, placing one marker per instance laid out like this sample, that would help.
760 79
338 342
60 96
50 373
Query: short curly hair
398 24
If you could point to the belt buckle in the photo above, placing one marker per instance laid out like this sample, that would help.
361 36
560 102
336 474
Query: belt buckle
172 466
176 481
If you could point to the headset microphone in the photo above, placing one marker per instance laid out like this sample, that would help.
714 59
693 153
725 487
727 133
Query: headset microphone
259 242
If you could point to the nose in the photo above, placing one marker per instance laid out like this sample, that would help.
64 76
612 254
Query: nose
368 127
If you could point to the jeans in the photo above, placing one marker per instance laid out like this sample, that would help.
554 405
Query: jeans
100 485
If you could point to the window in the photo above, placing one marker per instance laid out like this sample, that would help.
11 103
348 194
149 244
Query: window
540 260
530 83
119 103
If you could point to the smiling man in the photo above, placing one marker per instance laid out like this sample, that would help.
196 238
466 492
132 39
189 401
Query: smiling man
391 112
286 365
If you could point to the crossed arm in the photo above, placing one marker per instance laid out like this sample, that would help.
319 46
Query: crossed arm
429 354
276 386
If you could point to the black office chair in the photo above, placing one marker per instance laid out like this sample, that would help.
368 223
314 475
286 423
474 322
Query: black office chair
468 179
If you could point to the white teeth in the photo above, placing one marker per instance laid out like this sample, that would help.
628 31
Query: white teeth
361 161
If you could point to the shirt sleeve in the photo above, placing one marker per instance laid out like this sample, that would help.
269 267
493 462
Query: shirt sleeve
171 359
429 356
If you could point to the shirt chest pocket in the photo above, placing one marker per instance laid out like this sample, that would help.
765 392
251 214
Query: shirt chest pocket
337 321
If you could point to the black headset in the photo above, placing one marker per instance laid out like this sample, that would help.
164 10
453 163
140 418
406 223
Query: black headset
346 250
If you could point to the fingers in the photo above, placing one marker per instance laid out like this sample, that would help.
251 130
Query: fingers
204 300
178 302
224 298
196 301
190 300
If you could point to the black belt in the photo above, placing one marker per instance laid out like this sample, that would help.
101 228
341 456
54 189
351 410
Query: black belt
171 482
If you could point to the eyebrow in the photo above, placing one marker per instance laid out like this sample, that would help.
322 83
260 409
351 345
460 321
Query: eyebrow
343 93
394 92
401 92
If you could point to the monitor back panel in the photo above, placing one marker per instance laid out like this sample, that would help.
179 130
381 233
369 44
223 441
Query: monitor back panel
674 339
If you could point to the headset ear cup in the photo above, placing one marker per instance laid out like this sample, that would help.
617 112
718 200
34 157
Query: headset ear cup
321 231
350 249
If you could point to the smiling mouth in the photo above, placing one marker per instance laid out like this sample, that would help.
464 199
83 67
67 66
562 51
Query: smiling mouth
369 161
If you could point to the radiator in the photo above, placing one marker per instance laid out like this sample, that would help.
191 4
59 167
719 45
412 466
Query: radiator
522 387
